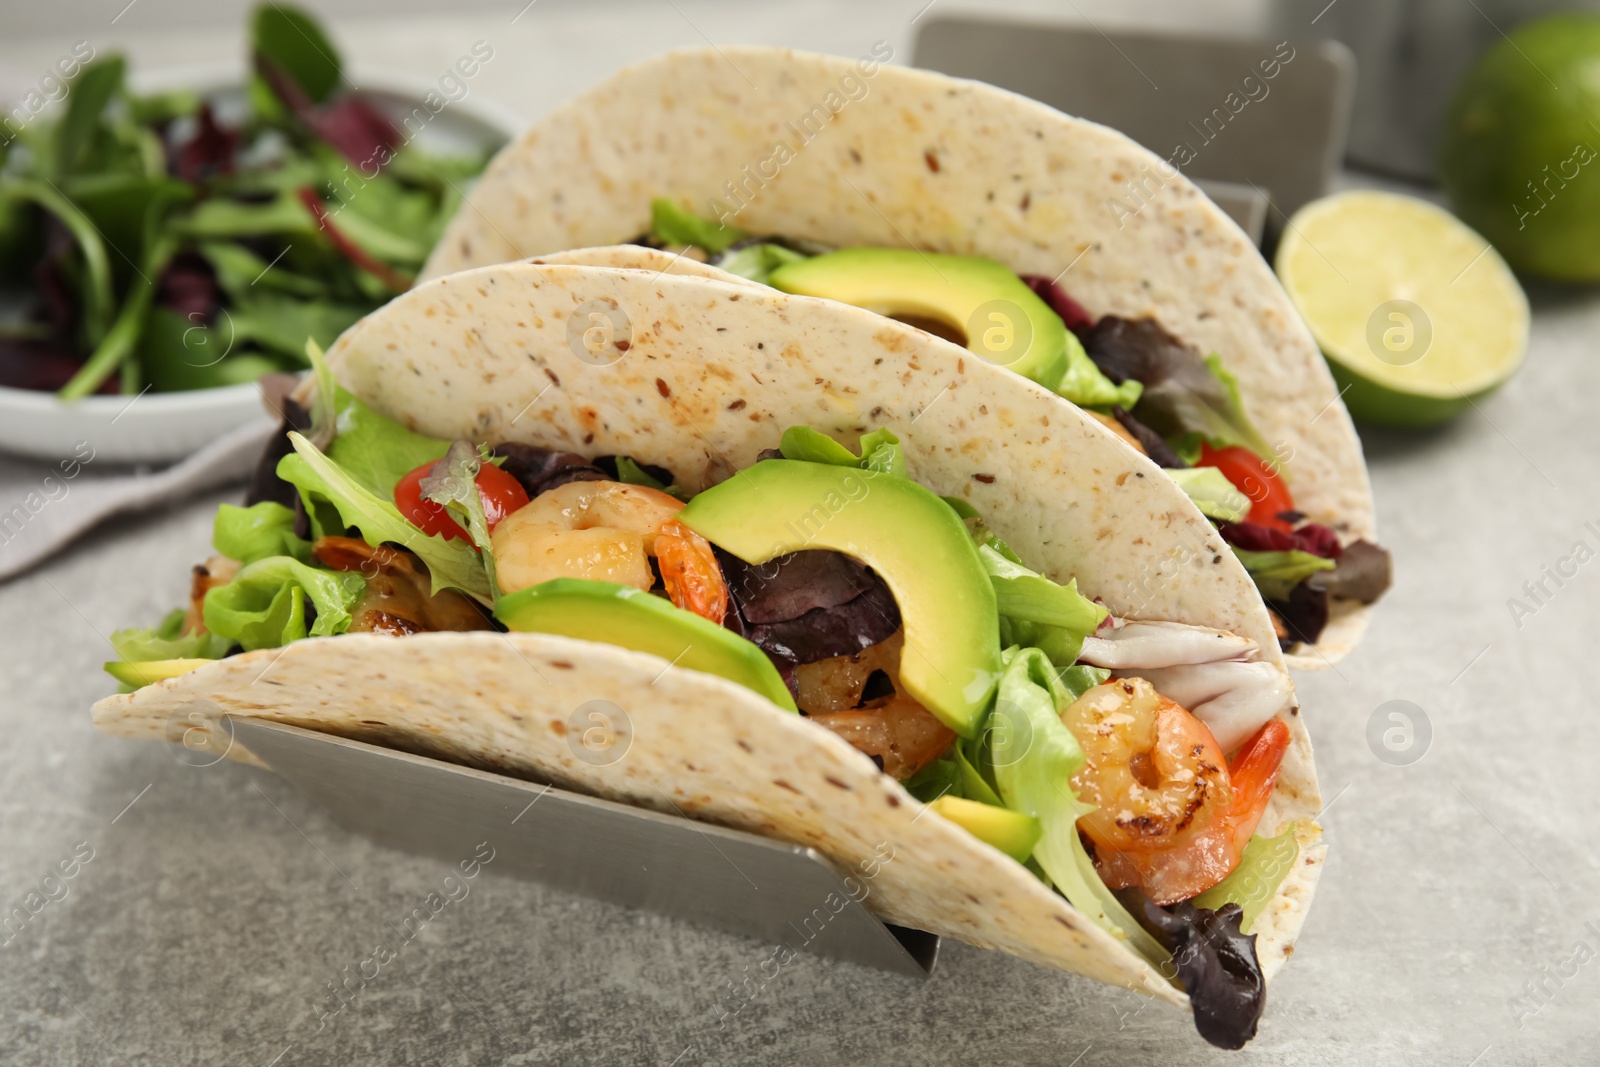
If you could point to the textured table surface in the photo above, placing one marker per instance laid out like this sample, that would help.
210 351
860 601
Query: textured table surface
210 907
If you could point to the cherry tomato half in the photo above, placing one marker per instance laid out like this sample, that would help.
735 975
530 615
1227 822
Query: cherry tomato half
1255 479
501 494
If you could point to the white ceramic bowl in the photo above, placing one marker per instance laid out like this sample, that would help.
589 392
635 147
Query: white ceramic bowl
162 427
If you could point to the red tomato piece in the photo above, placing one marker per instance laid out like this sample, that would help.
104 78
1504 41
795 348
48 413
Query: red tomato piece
1253 477
500 492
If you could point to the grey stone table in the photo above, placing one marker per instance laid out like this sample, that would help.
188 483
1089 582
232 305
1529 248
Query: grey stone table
210 908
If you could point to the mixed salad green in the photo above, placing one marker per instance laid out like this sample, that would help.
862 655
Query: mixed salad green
183 240
1180 408
331 534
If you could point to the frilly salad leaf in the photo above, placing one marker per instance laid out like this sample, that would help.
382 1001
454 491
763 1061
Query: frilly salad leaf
454 484
1184 394
1084 384
1277 573
265 604
256 532
325 487
167 641
880 450
1212 493
672 225
1266 862
758 261
1034 757
1035 612
630 473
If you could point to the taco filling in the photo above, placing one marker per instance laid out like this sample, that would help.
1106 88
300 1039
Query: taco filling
1126 763
1157 393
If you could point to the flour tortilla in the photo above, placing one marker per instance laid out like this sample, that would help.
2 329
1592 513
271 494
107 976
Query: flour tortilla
711 375
910 158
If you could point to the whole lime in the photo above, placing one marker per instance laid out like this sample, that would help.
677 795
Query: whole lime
1521 148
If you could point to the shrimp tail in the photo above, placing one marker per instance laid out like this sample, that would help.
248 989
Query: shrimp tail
1253 772
690 573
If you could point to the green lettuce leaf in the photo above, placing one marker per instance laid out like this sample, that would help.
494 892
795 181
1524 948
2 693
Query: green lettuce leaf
672 225
1078 680
256 532
1036 612
1232 426
880 450
265 604
451 564
630 473
1212 493
1034 757
167 641
453 483
757 262
1086 385
377 451
1277 573
934 781
1266 862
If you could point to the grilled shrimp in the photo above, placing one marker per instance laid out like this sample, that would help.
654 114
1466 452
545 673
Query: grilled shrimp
1172 816
606 531
901 733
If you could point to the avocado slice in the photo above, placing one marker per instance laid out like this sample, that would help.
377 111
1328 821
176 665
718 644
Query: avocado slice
1011 832
1002 320
145 672
631 618
951 661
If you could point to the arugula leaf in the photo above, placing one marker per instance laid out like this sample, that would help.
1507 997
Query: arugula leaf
282 325
175 353
672 225
122 339
291 39
1277 573
89 94
98 297
1034 758
451 564
265 604
240 270
256 532
216 218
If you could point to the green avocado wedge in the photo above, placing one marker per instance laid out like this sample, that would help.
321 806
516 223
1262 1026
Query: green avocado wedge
915 542
1012 832
631 618
149 672
1002 320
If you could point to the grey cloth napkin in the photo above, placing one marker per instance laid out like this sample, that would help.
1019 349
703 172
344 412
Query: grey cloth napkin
44 507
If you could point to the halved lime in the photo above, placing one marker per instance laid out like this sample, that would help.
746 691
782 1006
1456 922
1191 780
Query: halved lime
1417 314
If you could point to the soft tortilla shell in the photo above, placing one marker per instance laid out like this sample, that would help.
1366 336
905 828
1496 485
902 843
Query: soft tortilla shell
923 160
712 375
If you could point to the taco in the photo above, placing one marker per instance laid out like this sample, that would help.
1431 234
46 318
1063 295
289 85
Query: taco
843 599
1052 245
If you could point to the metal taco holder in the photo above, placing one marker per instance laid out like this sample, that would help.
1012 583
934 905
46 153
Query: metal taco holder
730 880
